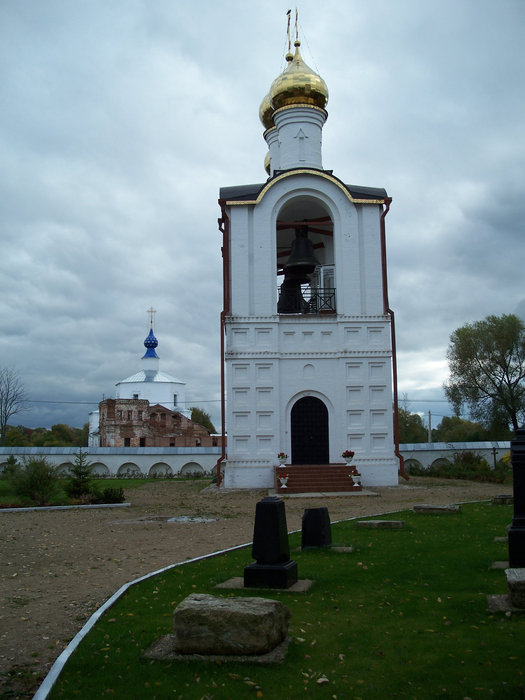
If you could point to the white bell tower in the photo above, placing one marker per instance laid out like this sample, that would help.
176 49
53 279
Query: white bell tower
307 328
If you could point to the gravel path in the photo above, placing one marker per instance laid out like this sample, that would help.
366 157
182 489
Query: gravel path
59 566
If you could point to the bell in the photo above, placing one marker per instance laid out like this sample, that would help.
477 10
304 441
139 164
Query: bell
291 300
302 260
301 263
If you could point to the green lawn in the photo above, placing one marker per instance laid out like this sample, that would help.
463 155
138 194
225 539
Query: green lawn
403 616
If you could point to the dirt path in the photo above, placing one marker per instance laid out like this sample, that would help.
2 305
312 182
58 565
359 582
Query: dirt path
59 566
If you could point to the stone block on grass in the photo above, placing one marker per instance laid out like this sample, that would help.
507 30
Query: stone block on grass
504 499
316 528
429 508
516 587
381 524
204 624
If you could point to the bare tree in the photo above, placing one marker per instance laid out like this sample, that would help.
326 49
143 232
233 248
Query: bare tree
13 399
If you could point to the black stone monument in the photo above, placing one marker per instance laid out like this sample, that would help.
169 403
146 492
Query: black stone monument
516 530
316 529
272 567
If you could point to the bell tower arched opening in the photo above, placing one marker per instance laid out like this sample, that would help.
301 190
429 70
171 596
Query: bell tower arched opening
305 258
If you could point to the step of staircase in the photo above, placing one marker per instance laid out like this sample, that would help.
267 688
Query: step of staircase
315 478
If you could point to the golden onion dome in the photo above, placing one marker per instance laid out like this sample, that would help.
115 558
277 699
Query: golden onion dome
267 162
298 84
266 113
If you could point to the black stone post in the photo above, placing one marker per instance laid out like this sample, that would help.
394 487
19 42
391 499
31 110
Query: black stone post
271 551
517 528
316 529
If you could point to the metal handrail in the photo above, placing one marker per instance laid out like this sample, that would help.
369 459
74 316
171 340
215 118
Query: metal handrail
315 300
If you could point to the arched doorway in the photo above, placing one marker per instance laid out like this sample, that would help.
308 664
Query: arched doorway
309 427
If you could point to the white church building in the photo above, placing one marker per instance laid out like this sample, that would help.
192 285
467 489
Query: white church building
308 332
149 383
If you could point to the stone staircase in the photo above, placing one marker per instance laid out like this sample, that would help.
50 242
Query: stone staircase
315 478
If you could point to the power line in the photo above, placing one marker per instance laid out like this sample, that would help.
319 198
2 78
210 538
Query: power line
409 400
77 403
95 403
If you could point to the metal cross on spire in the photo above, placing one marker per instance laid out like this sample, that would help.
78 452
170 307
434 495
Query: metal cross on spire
151 311
289 17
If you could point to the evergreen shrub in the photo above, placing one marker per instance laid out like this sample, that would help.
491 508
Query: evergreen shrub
108 495
80 484
36 482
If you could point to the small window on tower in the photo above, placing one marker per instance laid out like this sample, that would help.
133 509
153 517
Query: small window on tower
127 442
135 396
130 415
143 442
174 399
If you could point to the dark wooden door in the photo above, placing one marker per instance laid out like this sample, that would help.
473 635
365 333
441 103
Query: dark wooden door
309 425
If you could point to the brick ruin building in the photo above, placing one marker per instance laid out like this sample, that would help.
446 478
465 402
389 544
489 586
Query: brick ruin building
136 423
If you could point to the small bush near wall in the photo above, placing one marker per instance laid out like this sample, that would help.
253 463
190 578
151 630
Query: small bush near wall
465 465
36 482
9 468
109 495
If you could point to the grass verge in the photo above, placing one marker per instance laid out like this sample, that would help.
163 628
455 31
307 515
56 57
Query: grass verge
8 498
403 616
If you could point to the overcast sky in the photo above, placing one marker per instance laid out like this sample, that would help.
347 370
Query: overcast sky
120 120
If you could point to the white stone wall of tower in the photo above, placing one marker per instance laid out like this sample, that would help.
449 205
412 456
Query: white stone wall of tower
272 139
343 359
300 137
357 248
296 140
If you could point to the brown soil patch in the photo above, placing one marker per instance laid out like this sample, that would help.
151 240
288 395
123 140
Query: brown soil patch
58 567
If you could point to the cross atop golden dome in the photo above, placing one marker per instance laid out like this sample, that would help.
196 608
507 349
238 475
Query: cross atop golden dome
297 85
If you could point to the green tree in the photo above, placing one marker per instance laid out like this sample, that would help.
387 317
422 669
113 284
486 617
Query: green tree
10 469
84 435
36 481
411 428
38 437
80 483
202 418
13 399
17 436
455 429
487 369
59 435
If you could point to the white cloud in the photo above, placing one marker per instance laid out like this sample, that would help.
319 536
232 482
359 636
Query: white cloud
121 120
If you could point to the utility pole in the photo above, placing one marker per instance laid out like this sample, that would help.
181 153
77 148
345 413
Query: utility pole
429 427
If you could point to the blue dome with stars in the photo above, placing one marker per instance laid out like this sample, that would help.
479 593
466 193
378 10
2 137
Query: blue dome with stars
150 344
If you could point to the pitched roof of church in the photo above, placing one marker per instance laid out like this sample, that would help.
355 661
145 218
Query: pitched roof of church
251 192
149 375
